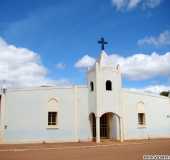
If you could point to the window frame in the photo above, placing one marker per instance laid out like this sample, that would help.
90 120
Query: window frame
52 121
52 118
141 119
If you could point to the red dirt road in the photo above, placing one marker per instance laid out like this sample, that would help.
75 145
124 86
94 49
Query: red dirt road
131 150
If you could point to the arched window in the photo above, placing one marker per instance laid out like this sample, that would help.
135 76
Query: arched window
108 85
91 86
52 113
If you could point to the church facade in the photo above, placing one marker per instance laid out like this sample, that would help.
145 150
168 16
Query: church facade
102 109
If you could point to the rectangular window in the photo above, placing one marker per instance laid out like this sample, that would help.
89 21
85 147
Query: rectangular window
141 118
52 118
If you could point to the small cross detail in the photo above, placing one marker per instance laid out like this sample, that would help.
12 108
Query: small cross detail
102 42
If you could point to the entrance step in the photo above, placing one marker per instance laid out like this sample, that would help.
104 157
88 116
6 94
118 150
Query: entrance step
103 140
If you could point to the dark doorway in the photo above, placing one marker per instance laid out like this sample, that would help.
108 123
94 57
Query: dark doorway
104 126
93 125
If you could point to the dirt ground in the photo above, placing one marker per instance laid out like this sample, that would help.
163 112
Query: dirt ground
107 150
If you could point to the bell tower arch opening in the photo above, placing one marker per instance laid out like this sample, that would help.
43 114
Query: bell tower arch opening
109 126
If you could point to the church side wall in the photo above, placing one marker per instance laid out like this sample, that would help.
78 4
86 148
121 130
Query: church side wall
83 115
157 116
26 115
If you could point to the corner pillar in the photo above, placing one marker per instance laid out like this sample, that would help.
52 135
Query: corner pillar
2 118
121 129
97 129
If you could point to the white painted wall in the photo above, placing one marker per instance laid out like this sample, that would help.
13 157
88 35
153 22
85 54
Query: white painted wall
157 109
91 77
109 100
115 128
83 115
26 115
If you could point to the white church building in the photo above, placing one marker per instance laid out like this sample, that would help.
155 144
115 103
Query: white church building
100 110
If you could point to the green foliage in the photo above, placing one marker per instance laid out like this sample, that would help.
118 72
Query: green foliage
165 93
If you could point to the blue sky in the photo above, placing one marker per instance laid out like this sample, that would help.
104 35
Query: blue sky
62 32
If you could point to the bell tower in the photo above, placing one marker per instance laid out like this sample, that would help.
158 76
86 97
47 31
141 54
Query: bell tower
104 85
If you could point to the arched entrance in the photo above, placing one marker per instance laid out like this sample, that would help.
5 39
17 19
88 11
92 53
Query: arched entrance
109 126
105 126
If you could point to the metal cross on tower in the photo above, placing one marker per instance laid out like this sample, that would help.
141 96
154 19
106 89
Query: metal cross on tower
102 42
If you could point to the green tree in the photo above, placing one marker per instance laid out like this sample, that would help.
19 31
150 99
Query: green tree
165 93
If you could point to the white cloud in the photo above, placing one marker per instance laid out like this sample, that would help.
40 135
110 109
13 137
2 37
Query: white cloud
152 3
142 66
60 65
135 67
133 3
58 82
119 4
162 39
85 62
156 88
152 89
22 67
130 4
